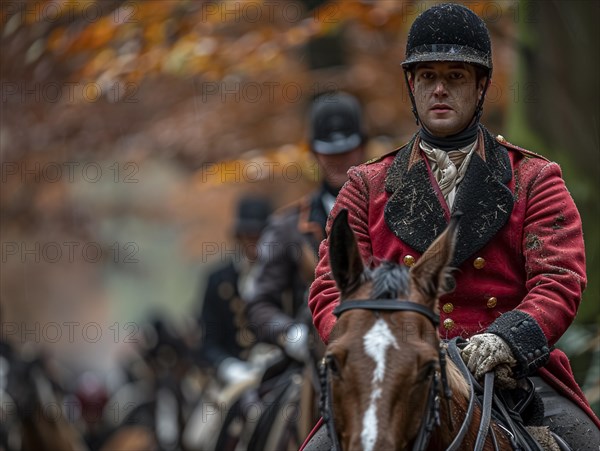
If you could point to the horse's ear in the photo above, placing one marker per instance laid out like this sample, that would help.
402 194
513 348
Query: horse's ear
344 257
430 275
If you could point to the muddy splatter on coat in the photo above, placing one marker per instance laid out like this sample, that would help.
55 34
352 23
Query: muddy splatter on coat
520 255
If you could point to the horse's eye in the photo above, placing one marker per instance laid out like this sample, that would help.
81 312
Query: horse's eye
333 365
426 371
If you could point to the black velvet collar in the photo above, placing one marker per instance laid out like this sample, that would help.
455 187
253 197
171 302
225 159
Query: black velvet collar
416 216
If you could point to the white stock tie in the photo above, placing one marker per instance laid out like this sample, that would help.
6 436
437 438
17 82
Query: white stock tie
448 168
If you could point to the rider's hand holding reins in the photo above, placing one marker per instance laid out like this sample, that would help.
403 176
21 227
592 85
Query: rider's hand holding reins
235 371
486 351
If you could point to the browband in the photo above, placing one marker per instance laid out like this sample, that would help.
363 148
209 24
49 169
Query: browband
385 304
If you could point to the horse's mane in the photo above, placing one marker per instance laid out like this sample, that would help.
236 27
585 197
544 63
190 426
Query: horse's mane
456 380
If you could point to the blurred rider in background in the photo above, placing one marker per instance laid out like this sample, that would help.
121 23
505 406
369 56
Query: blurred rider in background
275 294
222 319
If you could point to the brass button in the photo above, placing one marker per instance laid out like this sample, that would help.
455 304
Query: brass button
501 138
479 262
448 307
409 260
448 324
491 302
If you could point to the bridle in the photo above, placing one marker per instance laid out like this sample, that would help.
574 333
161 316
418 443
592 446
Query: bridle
432 418
490 404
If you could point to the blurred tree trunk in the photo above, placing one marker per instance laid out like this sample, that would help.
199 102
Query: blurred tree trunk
555 109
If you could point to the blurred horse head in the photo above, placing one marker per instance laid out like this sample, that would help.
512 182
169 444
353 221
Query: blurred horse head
33 405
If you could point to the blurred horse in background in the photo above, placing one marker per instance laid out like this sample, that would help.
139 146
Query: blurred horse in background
148 412
32 416
273 411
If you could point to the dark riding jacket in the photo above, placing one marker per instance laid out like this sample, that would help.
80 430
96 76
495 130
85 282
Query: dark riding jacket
276 290
520 261
222 319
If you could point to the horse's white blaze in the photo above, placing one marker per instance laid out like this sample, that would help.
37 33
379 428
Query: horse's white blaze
368 435
376 343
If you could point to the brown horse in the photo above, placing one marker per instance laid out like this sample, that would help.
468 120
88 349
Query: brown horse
385 373
31 408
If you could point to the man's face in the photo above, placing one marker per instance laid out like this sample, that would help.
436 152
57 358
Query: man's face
249 244
446 95
334 167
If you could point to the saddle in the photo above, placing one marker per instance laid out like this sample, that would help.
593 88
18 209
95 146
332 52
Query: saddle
518 411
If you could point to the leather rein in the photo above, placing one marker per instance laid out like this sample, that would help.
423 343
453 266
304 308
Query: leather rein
432 418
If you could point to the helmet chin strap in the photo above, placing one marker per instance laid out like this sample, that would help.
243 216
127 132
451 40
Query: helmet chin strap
479 109
412 97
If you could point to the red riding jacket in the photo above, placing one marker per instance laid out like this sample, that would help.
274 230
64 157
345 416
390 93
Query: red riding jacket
519 256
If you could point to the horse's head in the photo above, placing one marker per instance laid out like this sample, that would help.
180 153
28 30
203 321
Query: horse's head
383 363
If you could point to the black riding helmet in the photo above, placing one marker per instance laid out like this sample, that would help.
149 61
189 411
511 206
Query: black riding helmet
449 32
252 215
335 124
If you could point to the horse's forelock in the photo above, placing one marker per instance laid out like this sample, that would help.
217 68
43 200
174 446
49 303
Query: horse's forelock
389 281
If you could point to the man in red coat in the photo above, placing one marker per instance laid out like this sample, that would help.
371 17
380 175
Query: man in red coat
519 256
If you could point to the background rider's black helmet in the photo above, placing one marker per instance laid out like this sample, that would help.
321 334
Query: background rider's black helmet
335 124
448 32
252 215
